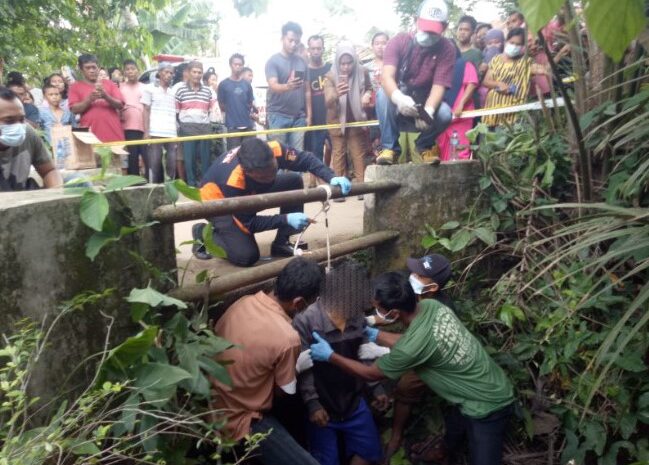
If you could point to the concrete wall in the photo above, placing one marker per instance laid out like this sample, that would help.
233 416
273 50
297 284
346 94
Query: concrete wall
429 194
43 263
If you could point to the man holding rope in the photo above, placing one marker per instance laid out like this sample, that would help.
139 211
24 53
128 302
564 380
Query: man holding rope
253 169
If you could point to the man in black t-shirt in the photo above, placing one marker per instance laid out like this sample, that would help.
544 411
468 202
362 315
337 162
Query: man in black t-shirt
316 72
235 98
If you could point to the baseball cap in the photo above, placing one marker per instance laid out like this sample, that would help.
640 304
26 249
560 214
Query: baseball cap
435 266
433 16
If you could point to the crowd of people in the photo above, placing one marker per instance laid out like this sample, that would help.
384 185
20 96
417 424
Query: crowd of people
418 84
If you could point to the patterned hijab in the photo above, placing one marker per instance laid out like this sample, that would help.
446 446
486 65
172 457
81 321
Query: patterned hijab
356 82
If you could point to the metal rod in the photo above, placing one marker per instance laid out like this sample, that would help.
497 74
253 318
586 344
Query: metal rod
221 285
258 202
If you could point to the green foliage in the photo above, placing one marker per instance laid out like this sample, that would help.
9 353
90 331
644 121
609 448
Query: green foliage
35 33
613 24
560 298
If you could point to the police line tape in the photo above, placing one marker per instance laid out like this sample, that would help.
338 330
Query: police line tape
533 106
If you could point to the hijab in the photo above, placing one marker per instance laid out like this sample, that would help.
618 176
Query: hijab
492 51
356 82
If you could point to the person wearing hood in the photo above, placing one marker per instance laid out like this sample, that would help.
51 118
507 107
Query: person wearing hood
494 41
348 92
417 70
508 78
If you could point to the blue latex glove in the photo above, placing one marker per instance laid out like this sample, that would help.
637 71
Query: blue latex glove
321 351
297 220
371 333
344 183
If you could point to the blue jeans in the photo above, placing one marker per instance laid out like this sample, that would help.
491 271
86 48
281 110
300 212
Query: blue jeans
291 139
359 431
315 141
486 435
392 123
279 447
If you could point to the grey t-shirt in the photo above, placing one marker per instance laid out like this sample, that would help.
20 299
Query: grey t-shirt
291 104
15 162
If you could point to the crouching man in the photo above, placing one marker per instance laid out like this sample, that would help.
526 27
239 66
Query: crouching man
447 358
266 359
253 169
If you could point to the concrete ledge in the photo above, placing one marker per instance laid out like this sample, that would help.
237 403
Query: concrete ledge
42 251
429 194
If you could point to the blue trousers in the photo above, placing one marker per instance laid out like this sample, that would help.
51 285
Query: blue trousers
291 139
361 438
392 123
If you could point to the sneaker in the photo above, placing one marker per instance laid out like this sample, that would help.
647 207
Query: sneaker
430 156
386 157
198 249
281 249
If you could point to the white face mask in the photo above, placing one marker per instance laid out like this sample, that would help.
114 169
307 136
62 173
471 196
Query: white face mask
385 318
417 286
12 135
512 51
426 39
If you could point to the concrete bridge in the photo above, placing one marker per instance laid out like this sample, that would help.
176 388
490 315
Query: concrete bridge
42 252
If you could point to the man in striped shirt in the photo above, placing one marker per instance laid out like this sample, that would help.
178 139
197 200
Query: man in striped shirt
194 102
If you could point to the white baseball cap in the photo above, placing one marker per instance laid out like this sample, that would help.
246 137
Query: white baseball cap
433 16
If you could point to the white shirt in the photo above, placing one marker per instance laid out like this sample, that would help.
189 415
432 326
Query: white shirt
162 122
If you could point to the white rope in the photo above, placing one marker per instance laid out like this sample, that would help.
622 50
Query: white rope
325 208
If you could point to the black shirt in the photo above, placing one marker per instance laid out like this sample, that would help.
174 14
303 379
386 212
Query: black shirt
316 79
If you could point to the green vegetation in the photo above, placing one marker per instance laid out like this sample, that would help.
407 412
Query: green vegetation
555 286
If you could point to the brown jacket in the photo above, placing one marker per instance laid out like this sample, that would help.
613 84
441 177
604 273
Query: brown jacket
332 102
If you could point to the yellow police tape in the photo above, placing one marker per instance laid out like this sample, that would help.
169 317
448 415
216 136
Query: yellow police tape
320 127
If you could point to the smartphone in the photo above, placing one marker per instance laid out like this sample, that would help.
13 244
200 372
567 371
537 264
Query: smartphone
423 114
299 75
343 79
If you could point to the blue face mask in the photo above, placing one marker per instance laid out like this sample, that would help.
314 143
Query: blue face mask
12 135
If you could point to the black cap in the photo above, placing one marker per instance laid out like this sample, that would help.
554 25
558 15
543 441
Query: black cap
435 266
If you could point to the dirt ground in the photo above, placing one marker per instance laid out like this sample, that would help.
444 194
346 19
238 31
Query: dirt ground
345 222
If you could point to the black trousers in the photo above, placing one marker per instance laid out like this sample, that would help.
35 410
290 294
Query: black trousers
486 436
241 247
135 152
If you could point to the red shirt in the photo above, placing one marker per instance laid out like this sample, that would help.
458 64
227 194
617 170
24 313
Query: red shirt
427 66
100 117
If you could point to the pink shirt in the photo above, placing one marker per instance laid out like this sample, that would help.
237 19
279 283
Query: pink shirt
100 117
133 109
426 66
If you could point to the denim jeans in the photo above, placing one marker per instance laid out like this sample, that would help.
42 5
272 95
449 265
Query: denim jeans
291 139
314 143
486 435
392 123
279 447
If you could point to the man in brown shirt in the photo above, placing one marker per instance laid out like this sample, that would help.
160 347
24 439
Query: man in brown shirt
266 357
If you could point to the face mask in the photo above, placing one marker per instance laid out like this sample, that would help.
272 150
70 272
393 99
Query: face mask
512 51
12 135
385 318
417 286
426 39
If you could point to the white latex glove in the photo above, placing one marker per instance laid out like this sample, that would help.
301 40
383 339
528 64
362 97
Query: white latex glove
371 351
371 320
405 104
304 361
420 124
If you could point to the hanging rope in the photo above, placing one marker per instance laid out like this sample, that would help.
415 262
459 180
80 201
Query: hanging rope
325 209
